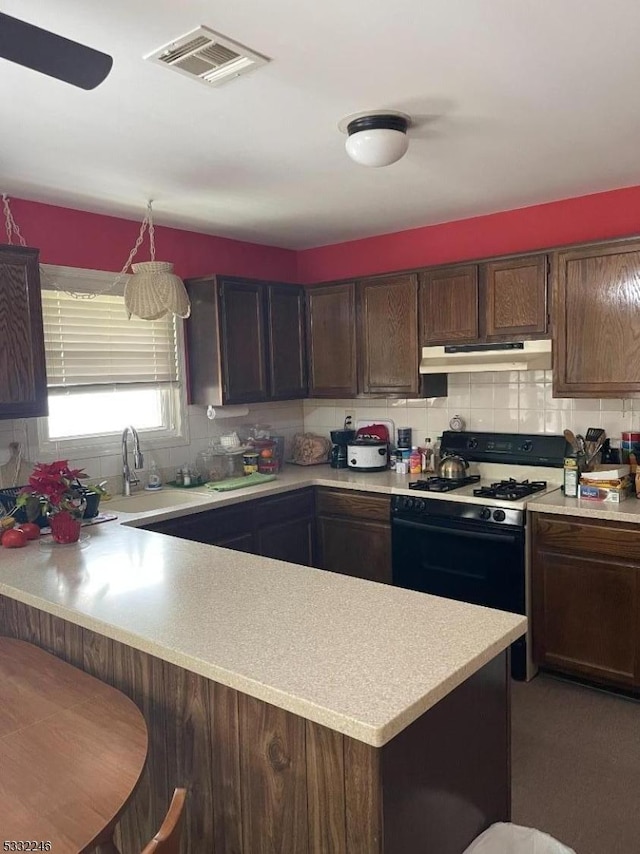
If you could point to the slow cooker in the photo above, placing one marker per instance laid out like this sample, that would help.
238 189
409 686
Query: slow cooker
368 455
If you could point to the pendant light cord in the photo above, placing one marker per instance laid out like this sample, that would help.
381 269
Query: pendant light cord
147 223
10 223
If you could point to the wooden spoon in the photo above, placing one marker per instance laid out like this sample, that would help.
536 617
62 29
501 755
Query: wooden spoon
569 435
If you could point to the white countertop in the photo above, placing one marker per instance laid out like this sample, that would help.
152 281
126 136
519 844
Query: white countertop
555 502
364 659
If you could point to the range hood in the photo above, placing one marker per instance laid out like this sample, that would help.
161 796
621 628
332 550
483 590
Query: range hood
469 358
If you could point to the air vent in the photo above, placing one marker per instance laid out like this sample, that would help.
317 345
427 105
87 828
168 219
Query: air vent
207 56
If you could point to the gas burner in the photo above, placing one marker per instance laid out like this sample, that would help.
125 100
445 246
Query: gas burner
443 484
511 490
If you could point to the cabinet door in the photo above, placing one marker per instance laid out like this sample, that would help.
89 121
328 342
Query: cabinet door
596 311
238 543
229 527
23 378
586 597
285 526
331 324
286 342
243 344
388 335
291 540
354 534
449 305
355 547
585 617
515 296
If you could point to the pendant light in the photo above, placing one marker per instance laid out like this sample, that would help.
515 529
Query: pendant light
154 289
151 292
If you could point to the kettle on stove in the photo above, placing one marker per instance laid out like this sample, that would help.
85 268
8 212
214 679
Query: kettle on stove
453 467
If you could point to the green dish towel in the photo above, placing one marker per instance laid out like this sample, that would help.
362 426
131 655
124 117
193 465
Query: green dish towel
253 479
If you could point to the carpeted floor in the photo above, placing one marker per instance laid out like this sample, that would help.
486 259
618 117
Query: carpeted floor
576 765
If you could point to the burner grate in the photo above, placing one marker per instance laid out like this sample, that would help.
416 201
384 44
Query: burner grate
443 484
511 490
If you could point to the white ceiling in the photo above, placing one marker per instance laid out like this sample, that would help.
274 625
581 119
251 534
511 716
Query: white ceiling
530 101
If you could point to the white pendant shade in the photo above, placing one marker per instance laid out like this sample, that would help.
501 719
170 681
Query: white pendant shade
154 290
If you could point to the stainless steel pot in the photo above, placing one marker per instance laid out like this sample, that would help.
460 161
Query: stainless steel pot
453 467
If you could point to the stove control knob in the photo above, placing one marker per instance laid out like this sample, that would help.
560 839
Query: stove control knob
409 503
472 444
485 513
418 504
527 446
499 515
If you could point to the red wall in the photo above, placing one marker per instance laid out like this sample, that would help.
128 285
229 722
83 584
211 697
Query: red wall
615 213
80 239
95 241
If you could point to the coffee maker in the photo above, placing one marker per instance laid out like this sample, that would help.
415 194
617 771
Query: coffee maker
338 455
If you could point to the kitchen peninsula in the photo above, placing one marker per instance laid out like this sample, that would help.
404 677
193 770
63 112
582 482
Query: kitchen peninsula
305 711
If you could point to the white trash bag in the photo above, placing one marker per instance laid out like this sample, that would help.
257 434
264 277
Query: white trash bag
505 838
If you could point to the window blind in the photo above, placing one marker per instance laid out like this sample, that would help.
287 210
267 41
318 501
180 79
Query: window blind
91 342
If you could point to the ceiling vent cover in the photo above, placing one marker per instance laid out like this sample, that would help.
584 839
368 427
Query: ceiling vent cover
207 56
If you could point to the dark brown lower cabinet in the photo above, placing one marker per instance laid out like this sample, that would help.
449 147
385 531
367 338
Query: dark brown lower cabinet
342 530
279 526
262 780
354 533
586 598
229 527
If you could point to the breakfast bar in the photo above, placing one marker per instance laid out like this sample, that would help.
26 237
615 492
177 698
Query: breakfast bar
304 710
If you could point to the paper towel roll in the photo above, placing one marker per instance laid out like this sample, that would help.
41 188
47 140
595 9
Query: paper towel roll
214 413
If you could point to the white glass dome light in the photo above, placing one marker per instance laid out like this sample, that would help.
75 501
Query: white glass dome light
376 139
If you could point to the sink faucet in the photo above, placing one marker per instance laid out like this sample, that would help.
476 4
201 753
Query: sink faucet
128 478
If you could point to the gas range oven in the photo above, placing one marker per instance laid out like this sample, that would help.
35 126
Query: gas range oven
465 539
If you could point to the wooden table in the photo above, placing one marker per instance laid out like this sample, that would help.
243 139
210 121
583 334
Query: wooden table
72 750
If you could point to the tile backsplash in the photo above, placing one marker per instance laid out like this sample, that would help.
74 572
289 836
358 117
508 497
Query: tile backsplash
519 402
504 402
284 419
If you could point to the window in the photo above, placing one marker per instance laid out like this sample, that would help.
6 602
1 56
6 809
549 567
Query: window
104 370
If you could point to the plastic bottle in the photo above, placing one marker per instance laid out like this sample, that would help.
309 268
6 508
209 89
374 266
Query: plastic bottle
415 461
427 456
154 480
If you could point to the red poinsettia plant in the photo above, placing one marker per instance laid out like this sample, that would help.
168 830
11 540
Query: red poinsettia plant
55 485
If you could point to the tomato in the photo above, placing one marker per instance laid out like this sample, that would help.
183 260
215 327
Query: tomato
14 538
266 453
30 530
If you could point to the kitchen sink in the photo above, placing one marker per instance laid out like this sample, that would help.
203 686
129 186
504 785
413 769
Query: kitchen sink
141 502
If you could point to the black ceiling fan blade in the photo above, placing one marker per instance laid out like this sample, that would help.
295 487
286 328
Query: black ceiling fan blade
51 54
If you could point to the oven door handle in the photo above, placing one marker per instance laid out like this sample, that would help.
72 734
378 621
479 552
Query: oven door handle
459 532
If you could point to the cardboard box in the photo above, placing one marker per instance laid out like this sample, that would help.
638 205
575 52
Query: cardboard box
610 492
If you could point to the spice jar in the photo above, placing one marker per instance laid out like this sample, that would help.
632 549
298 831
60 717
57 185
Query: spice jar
250 461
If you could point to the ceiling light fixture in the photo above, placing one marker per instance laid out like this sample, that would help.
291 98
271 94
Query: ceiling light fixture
376 138
154 289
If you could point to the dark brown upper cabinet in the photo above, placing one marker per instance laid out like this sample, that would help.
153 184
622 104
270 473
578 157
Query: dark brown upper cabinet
23 377
596 310
286 342
245 341
515 297
388 354
503 300
363 338
331 340
449 305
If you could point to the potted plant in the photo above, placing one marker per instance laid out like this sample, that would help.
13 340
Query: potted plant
61 495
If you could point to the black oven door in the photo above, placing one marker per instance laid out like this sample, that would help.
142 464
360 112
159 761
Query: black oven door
463 559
